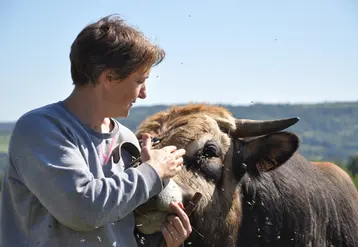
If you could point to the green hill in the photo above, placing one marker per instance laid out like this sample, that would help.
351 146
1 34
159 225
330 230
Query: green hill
329 131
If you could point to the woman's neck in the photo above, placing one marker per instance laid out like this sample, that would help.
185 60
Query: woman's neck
87 108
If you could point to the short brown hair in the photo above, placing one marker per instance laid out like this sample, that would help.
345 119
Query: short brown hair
109 43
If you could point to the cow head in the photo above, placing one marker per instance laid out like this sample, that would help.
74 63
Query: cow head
220 152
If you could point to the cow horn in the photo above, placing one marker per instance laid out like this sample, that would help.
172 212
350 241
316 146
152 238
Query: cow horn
248 127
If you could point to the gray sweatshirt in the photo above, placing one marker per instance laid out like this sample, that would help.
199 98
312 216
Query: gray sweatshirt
66 187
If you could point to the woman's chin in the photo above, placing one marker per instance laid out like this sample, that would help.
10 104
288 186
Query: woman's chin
124 112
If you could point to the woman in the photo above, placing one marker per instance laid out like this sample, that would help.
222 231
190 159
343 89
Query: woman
68 181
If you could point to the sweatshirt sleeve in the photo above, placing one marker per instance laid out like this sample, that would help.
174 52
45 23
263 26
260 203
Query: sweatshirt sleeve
47 159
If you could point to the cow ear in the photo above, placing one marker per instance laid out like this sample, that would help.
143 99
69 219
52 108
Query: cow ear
269 152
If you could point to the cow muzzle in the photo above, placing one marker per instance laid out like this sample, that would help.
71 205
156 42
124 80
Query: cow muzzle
151 215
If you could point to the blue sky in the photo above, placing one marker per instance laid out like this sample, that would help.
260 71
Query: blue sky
229 51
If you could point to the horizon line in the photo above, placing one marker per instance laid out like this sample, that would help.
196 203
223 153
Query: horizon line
232 105
252 103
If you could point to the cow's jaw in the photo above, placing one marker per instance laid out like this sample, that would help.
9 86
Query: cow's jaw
150 219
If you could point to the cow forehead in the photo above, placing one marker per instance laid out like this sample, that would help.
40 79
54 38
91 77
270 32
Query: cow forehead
193 141
195 130
192 124
176 116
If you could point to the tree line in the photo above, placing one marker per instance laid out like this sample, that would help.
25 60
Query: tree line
328 131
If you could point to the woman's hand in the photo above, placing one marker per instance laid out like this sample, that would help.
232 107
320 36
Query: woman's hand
177 228
167 161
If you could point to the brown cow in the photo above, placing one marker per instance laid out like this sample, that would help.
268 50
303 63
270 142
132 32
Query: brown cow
257 189
337 174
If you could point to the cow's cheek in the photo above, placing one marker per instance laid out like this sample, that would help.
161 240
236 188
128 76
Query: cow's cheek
190 183
151 222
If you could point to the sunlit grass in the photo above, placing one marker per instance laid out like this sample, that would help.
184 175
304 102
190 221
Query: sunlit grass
4 143
355 178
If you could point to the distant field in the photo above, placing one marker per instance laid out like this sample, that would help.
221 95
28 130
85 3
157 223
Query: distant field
328 130
355 179
4 142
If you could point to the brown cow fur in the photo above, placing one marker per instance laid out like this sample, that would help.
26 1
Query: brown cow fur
335 171
337 174
294 204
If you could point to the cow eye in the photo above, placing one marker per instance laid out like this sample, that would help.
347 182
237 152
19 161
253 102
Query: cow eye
211 150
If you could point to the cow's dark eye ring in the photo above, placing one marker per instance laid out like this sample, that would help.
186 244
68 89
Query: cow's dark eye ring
211 150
